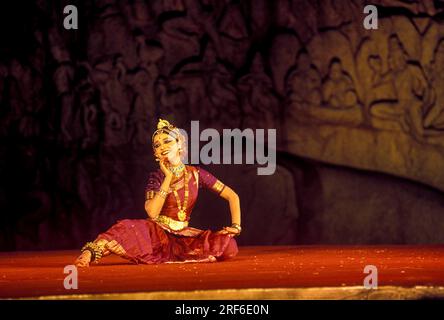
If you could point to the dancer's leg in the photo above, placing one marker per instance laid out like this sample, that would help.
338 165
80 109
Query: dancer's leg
107 247
231 250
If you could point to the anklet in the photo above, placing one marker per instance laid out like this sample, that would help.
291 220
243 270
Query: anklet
96 251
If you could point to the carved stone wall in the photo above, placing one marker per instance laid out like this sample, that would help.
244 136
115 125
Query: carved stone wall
372 99
77 107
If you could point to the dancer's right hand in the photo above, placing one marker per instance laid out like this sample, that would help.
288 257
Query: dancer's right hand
164 169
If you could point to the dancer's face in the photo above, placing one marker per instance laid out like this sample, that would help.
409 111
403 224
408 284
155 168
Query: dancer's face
166 147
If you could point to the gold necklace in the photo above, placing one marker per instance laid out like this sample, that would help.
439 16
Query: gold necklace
182 213
177 171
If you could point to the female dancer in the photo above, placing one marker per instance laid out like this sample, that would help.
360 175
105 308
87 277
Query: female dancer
171 194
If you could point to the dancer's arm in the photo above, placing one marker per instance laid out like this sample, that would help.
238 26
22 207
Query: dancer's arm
208 181
234 202
233 199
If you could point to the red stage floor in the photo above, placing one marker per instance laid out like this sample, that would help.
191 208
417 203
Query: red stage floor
38 274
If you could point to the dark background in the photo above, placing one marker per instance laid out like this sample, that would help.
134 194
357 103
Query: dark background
78 107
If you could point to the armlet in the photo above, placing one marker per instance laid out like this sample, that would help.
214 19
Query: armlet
218 187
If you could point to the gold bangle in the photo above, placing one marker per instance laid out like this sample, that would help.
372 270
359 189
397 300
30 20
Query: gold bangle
150 195
237 226
162 193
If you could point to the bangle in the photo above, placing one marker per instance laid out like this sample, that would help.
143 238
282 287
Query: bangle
237 226
150 195
162 193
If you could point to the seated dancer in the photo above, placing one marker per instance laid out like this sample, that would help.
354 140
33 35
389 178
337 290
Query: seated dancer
171 194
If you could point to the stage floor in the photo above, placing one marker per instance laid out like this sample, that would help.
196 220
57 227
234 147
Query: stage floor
264 272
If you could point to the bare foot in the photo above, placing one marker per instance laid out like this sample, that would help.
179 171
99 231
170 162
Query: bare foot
83 260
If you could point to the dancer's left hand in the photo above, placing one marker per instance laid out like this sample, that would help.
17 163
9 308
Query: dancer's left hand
229 231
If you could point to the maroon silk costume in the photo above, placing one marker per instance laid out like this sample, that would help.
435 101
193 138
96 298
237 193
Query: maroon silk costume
167 240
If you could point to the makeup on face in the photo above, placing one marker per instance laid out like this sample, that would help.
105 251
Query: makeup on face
163 145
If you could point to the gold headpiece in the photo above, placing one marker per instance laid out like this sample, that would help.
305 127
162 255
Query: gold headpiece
164 123
165 126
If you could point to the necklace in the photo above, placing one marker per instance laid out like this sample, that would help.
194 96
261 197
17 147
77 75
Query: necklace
182 207
177 171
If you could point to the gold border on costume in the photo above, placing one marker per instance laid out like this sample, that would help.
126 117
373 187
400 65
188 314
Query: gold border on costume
171 223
